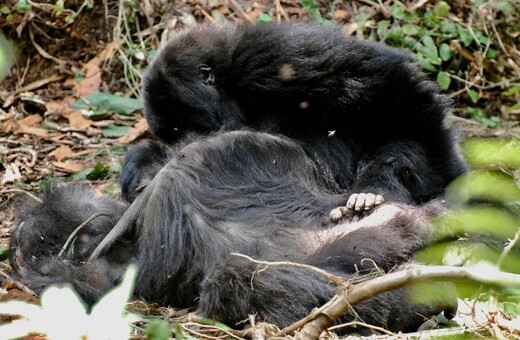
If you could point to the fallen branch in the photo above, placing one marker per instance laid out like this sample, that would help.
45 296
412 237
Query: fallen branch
355 294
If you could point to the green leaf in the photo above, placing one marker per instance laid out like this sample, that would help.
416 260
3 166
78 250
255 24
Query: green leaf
473 95
484 40
80 175
410 29
383 28
428 49
491 53
425 64
442 9
464 36
431 19
100 171
396 34
409 42
474 112
102 103
512 90
445 52
115 130
264 18
313 8
430 45
59 7
158 330
504 6
4 253
5 10
397 11
444 80
448 27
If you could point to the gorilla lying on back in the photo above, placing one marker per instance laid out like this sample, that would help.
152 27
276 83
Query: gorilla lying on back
269 128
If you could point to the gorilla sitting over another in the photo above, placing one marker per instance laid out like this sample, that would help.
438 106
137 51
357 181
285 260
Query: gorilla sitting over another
268 128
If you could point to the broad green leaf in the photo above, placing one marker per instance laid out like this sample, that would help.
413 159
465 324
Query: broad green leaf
473 96
445 52
397 11
4 253
492 152
100 171
396 34
430 45
429 50
491 53
484 40
410 29
409 42
515 89
444 80
102 103
442 9
264 18
383 28
158 330
115 130
448 27
464 36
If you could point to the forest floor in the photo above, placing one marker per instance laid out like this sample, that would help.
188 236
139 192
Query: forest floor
64 55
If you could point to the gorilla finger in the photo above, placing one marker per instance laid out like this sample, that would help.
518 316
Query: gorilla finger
360 202
370 201
352 201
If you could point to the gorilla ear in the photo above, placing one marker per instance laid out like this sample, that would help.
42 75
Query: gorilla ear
206 74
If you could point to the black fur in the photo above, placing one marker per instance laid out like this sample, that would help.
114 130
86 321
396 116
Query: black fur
344 100
267 128
43 229
259 195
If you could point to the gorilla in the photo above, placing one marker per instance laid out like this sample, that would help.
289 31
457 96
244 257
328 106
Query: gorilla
345 101
263 131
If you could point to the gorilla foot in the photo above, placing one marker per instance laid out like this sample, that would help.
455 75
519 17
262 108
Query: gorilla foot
357 202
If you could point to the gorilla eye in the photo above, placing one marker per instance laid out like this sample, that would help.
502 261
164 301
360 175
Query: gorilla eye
206 74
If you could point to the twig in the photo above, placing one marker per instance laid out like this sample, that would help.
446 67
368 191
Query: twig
71 236
39 83
489 17
358 323
17 284
334 278
7 191
417 5
206 14
41 51
280 10
466 88
33 154
507 249
238 9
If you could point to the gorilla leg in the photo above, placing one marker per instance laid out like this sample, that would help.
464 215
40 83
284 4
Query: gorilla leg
283 295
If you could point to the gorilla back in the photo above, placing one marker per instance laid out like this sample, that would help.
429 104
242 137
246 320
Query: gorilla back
342 99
